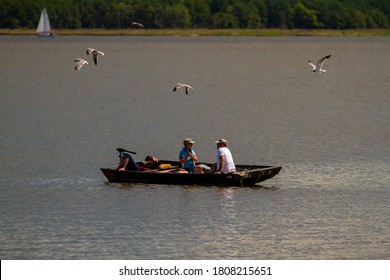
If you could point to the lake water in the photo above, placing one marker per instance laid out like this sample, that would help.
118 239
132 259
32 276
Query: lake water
330 132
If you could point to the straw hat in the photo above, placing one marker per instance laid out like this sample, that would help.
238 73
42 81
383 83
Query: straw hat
188 141
221 141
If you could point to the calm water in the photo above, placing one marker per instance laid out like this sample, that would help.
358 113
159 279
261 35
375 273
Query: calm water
330 132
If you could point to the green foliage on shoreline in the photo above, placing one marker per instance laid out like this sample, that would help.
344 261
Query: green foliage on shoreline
199 14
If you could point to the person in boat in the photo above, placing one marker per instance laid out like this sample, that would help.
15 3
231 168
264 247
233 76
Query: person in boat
225 163
188 157
126 162
150 162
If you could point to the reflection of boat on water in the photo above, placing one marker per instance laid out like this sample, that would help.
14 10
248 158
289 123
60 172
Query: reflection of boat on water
43 28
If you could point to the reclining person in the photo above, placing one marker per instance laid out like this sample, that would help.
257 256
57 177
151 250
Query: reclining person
150 162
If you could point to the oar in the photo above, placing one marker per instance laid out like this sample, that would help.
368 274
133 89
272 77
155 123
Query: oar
169 170
148 169
120 150
158 170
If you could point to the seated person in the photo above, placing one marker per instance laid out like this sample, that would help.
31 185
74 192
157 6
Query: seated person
188 157
126 162
225 163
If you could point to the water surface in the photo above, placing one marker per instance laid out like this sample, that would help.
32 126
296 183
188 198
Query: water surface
329 131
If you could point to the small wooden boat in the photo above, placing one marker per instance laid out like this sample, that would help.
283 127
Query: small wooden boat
245 175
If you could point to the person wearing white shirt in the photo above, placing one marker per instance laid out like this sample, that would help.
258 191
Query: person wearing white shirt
225 163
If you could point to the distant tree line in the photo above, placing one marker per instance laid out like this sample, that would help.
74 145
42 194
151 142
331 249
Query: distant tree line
214 14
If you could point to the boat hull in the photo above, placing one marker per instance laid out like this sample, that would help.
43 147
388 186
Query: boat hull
46 35
246 176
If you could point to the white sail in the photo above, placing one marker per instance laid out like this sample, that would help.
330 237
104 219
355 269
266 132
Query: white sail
43 28
46 22
40 26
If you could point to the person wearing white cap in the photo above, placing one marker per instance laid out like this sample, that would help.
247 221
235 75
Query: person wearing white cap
187 156
225 163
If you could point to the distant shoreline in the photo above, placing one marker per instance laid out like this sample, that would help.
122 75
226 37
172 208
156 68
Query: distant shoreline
206 32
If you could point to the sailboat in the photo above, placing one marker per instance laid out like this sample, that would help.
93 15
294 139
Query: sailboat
43 28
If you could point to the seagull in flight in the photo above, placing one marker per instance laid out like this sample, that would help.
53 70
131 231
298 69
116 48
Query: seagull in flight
138 25
79 63
179 85
320 62
95 54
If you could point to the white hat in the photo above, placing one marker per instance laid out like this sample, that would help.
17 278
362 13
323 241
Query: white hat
221 141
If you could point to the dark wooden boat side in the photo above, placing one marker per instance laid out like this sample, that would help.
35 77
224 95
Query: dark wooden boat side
246 175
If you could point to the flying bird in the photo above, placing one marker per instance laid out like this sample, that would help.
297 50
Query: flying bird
318 68
79 63
138 25
95 54
179 85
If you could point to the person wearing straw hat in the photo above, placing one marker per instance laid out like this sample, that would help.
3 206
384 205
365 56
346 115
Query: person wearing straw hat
188 157
225 163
